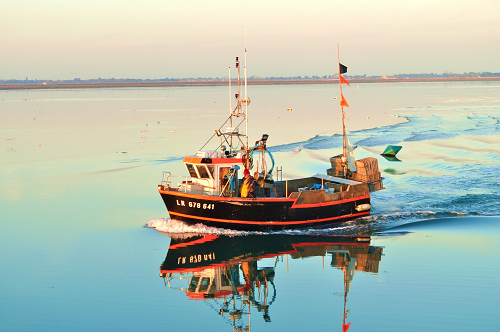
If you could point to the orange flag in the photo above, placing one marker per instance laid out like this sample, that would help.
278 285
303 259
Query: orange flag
343 80
343 102
344 116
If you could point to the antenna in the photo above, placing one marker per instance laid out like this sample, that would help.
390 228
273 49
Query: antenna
247 101
230 96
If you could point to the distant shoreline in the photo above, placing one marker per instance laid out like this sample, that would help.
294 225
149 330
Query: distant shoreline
107 85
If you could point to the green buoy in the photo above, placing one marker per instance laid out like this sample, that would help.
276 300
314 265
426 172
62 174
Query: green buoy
391 150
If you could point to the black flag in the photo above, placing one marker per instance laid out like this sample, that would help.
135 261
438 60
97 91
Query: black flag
342 68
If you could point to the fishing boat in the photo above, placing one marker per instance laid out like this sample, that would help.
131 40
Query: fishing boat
211 192
227 274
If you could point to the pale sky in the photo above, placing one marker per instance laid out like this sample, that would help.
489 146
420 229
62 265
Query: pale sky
62 39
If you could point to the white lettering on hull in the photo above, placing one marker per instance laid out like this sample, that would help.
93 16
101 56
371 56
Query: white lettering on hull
196 205
198 258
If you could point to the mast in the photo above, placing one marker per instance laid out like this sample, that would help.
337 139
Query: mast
247 101
238 100
348 160
230 97
344 145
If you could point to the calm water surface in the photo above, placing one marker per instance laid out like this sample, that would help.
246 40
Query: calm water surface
78 177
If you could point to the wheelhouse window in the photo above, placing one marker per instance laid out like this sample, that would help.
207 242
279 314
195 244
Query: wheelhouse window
202 170
193 284
204 284
211 170
191 170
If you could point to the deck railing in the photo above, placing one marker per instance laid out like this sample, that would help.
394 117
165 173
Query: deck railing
166 181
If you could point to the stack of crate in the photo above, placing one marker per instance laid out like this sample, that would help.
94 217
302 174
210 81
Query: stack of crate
366 170
337 168
373 259
368 258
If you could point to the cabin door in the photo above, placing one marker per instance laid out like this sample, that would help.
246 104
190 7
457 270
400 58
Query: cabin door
228 181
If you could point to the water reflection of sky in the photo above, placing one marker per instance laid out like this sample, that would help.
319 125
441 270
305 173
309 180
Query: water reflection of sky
78 181
426 271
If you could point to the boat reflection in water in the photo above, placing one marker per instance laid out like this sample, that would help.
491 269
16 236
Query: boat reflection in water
226 269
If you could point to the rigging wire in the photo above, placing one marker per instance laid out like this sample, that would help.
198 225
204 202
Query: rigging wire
214 134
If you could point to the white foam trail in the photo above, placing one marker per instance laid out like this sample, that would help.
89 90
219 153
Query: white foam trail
176 227
158 224
172 226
